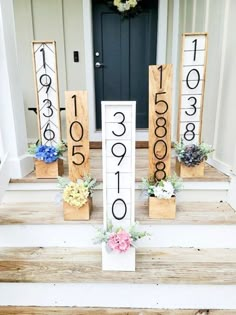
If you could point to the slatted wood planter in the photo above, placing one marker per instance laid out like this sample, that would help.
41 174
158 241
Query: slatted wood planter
162 208
48 170
189 172
77 214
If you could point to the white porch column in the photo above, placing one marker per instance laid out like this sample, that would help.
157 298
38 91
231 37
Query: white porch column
12 117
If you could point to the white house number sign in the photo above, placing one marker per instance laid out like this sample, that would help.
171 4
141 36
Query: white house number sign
192 83
46 86
118 130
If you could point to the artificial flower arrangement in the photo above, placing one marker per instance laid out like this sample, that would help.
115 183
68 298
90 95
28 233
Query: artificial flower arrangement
118 239
162 201
48 159
190 158
126 7
77 197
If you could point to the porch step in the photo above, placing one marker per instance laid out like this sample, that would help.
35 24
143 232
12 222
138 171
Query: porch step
11 310
153 266
188 213
50 192
141 169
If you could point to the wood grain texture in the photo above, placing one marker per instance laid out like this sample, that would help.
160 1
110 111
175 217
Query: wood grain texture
204 213
77 129
190 172
160 99
153 266
162 208
141 169
77 214
16 310
48 170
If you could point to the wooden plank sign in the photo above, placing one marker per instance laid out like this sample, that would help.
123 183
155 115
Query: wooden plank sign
77 133
160 96
46 87
118 144
192 85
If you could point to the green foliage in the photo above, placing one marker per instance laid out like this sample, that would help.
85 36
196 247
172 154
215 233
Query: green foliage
102 236
32 149
63 182
88 181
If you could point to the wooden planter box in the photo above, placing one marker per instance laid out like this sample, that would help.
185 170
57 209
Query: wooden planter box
77 214
162 208
48 170
188 172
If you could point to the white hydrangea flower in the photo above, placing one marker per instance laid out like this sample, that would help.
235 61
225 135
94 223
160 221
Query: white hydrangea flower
133 3
121 7
164 192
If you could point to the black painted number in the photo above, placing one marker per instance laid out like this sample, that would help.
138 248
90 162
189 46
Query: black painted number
75 104
195 49
113 209
77 154
71 131
161 71
48 133
118 181
116 154
160 173
120 123
193 106
49 107
43 55
45 81
189 134
188 80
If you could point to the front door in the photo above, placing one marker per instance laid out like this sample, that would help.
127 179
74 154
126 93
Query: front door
124 47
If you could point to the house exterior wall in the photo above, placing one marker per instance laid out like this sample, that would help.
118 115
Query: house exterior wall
217 18
59 20
62 20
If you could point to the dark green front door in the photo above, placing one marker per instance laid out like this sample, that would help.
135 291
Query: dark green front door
124 47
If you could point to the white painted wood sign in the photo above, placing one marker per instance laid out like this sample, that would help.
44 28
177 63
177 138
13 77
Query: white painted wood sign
118 144
46 88
192 84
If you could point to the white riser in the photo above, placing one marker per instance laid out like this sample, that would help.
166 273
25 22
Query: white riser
82 235
195 191
119 295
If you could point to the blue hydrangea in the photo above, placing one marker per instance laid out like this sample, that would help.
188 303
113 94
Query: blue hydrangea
45 153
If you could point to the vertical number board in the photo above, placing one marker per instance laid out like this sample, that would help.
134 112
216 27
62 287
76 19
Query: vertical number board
160 85
47 96
192 84
118 145
118 127
77 133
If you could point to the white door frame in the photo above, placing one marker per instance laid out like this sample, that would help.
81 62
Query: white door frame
141 135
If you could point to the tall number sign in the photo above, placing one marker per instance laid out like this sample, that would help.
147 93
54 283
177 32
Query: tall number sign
160 84
118 130
46 86
77 133
192 84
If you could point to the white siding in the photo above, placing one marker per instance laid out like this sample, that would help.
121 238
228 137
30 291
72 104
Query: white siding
218 19
59 20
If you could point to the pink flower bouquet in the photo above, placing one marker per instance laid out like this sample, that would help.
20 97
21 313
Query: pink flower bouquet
118 239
